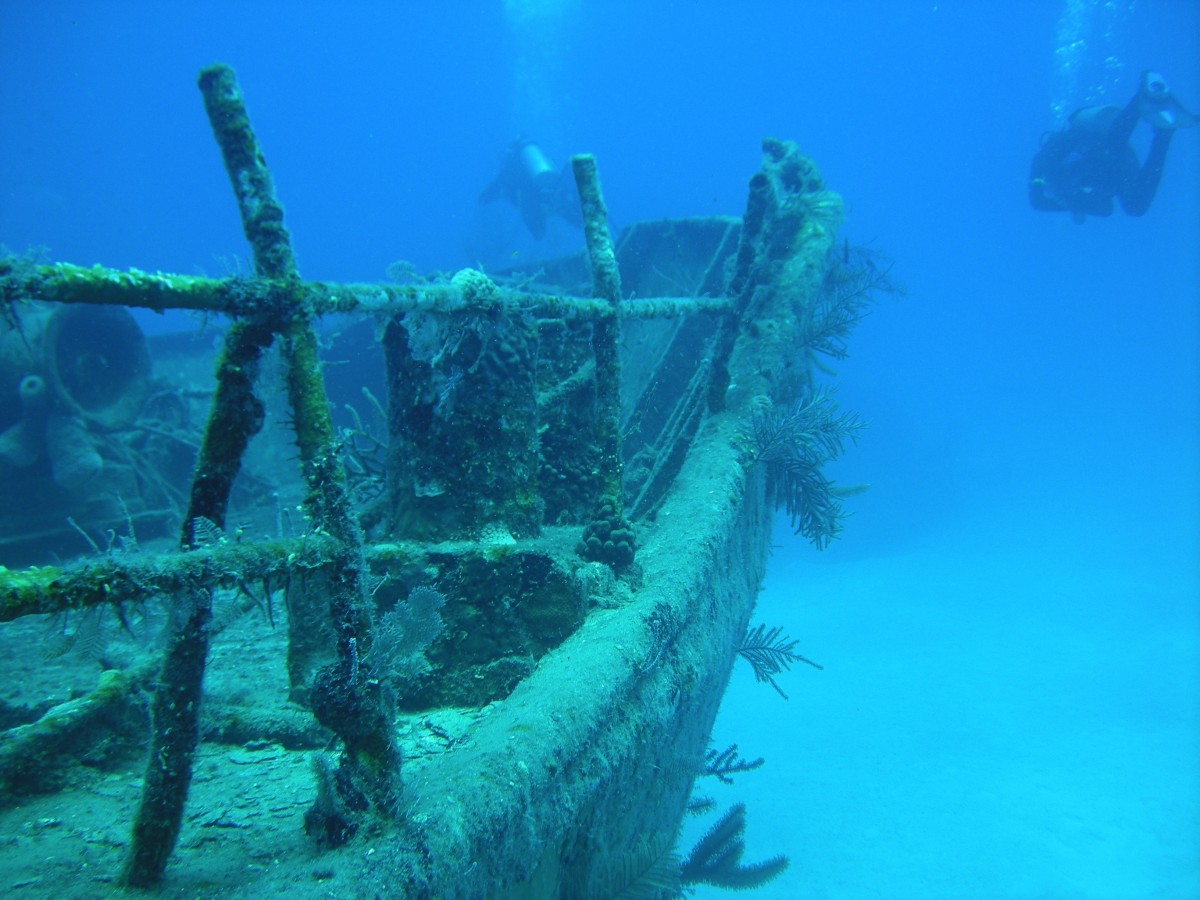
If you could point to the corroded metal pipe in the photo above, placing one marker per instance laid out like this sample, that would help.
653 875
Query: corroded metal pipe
609 536
242 297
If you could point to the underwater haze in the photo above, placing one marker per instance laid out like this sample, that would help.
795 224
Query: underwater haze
1010 622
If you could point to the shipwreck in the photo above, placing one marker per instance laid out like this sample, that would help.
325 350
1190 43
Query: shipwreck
482 645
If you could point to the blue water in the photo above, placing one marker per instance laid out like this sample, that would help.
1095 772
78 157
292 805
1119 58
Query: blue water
1010 705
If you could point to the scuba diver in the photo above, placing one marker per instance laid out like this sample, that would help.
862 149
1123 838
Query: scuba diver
1083 169
528 181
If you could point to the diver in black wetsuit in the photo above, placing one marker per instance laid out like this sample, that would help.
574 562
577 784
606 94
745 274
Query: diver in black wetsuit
1083 169
529 181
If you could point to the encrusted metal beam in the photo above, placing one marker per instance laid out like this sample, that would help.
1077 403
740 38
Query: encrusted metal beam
136 578
609 536
467 291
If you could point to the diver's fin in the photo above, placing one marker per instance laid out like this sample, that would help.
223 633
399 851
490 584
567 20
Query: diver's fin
493 191
564 202
1168 116
1160 108
1184 117
533 212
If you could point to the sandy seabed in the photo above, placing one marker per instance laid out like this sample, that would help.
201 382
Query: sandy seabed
1004 713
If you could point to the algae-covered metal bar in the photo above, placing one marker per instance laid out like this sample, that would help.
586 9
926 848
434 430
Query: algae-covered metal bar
370 759
236 416
608 537
468 291
141 578
586 680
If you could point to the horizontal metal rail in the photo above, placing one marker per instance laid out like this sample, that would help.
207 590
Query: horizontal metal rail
467 291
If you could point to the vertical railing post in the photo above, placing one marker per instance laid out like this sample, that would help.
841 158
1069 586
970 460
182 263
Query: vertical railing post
236 416
609 536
